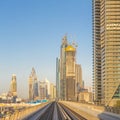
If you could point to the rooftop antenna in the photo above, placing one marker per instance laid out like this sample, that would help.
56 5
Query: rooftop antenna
64 40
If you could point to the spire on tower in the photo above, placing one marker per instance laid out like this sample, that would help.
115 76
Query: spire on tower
64 40
33 74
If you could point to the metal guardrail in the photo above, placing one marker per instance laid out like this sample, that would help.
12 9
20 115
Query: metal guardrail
112 109
22 113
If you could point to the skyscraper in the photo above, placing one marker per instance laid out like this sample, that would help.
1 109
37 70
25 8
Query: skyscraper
63 69
44 89
70 72
78 75
35 89
106 51
58 78
30 88
52 91
13 85
33 85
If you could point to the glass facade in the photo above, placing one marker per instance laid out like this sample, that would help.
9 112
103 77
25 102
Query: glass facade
63 69
58 78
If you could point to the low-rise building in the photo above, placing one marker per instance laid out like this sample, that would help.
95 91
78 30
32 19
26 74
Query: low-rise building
85 97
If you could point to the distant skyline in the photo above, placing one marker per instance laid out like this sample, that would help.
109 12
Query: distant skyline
31 34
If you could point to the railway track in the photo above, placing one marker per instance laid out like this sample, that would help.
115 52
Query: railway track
72 114
55 111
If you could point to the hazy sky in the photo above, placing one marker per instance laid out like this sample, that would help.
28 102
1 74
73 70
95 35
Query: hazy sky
30 36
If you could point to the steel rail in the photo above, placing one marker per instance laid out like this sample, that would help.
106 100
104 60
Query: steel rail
35 115
65 115
72 114
48 114
55 111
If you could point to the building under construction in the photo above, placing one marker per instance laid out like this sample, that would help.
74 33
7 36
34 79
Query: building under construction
68 79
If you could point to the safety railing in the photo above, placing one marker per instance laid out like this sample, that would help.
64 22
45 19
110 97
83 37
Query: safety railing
20 114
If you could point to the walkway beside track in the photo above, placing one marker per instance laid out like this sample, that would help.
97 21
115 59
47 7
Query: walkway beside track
91 112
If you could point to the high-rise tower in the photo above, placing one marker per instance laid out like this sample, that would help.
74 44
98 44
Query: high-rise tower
58 78
63 69
33 85
70 72
30 80
44 89
79 81
13 85
106 51
97 89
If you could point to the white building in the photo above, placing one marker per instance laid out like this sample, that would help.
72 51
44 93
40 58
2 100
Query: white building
44 89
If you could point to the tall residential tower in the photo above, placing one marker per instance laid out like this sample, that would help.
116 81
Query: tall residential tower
58 78
63 69
106 51
33 85
13 85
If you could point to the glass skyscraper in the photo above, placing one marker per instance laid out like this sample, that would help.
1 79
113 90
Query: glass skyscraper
58 78
33 85
63 69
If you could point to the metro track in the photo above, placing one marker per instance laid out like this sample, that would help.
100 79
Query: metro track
72 114
48 114
55 111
